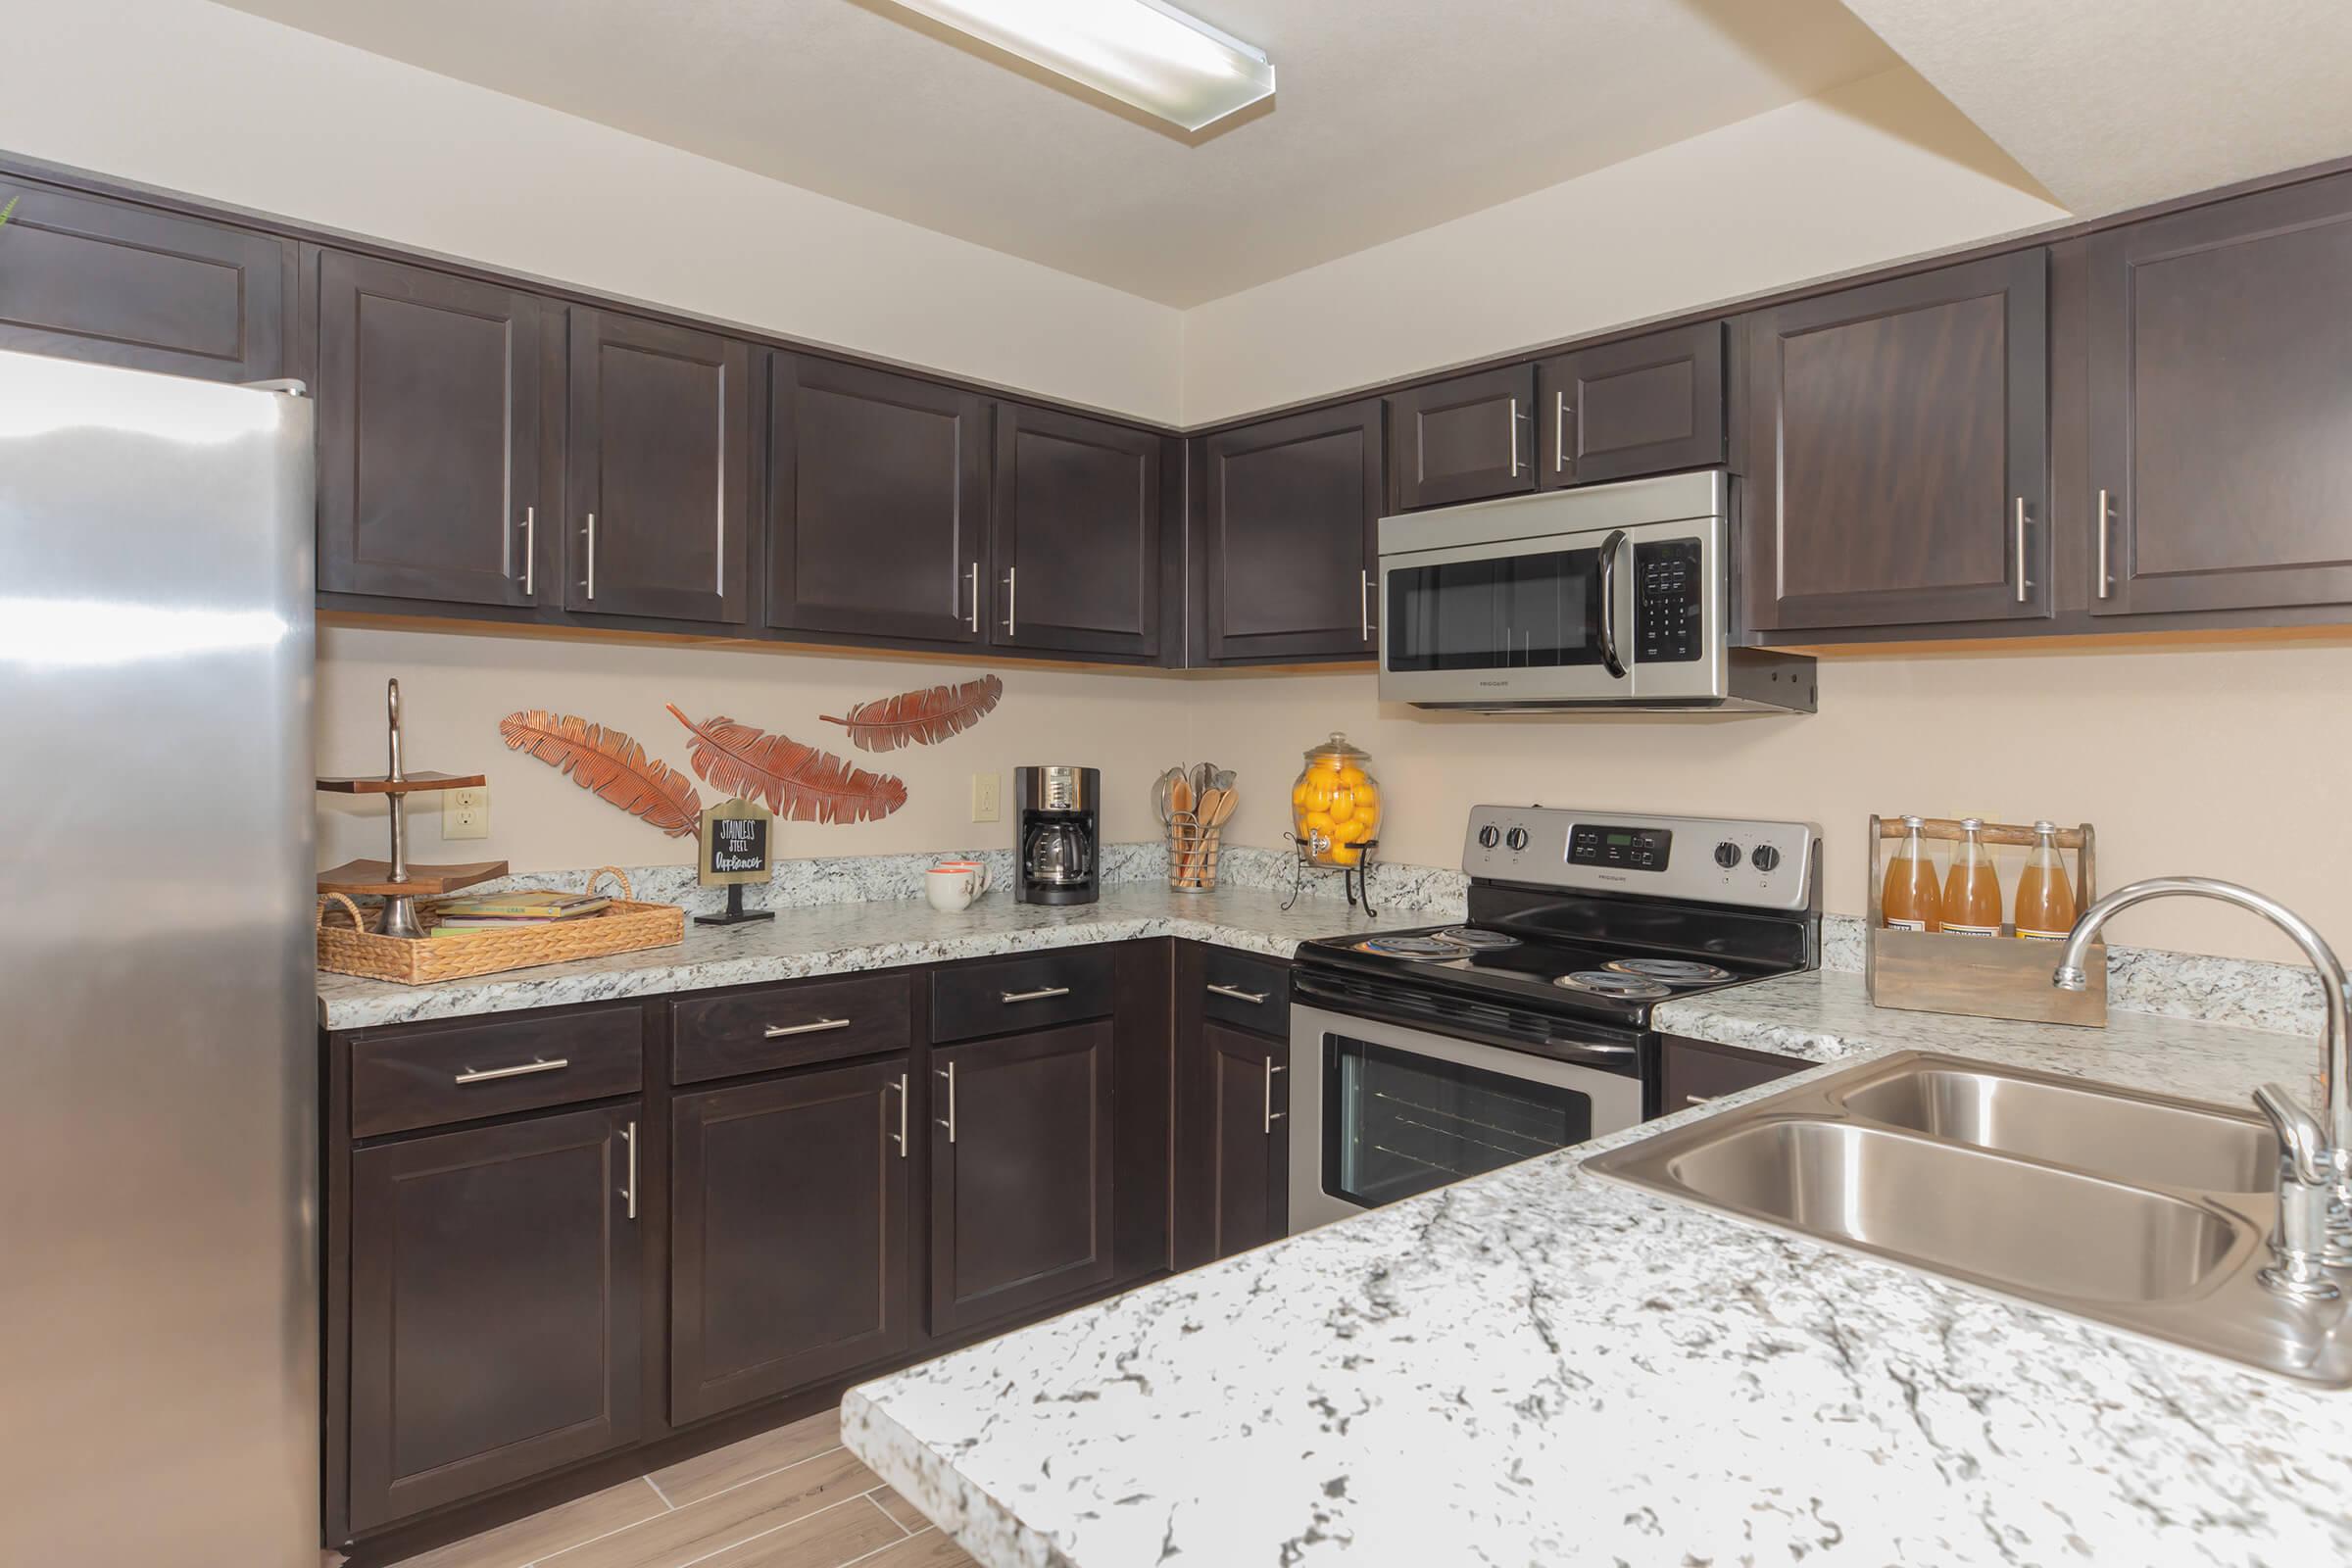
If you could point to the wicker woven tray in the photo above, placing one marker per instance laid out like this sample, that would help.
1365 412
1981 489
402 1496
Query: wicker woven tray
623 926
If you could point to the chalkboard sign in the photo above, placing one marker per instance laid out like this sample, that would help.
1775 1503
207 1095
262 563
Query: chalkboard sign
735 843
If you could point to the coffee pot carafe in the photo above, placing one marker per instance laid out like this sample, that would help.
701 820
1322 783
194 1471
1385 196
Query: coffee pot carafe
1059 835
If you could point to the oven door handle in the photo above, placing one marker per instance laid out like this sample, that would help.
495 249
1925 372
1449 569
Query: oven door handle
1608 603
1345 1002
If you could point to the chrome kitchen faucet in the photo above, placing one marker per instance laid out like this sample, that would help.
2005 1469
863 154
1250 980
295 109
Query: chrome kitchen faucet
2314 1233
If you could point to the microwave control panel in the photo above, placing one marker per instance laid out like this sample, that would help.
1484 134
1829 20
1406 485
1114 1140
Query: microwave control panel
1667 602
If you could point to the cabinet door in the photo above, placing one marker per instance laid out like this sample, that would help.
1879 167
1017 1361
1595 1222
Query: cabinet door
657 471
1692 1072
1463 440
1649 405
1289 542
1233 1144
2220 400
494 1307
1077 534
788 1233
86 278
1020 1172
428 434
876 503
1901 452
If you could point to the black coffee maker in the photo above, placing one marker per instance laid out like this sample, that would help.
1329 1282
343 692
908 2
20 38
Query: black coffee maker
1060 838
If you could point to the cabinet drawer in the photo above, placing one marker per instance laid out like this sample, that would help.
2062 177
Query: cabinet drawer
1230 980
465 1071
787 1026
1693 1072
1033 993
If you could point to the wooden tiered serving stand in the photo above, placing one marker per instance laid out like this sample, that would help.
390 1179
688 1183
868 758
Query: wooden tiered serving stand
398 883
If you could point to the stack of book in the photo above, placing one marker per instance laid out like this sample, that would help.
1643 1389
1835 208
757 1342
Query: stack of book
509 912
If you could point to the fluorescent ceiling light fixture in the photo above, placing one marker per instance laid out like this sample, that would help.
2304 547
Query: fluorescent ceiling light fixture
1141 52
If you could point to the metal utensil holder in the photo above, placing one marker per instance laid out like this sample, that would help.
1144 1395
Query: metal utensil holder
1193 850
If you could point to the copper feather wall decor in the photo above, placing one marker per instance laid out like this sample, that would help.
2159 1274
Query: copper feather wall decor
921 718
609 764
797 782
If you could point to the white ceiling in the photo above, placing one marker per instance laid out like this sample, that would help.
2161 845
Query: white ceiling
2111 104
1391 115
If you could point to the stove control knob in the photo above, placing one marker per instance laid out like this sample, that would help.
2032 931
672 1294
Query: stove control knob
1516 838
1765 857
1488 837
1727 855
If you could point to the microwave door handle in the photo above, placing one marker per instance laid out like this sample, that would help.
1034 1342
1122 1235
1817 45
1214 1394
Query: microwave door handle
1608 603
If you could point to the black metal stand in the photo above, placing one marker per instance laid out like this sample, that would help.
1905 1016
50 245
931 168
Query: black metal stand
1356 879
735 914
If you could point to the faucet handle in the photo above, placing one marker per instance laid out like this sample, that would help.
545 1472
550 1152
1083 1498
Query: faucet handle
2302 1140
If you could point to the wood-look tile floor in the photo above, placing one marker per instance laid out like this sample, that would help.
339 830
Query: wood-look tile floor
789 1498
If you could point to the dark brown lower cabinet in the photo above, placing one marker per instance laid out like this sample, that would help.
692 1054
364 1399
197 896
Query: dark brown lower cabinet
1692 1072
1020 1172
788 1233
494 1307
1232 1142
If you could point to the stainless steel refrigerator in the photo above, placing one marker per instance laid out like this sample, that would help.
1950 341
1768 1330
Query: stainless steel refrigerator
159 1318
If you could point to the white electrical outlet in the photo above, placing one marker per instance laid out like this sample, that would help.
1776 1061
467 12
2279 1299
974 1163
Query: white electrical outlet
466 813
984 797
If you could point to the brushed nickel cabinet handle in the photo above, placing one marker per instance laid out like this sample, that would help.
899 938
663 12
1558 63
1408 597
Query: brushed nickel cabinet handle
484 1075
1255 999
948 1073
900 1137
1363 603
592 557
1272 1115
973 577
1514 438
1562 413
1011 586
2102 525
531 552
1039 995
1700 1100
2022 583
777 1031
628 1136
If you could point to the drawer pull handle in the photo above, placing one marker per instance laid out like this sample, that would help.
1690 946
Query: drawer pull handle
483 1075
948 1073
1272 1115
1700 1100
1255 999
1039 995
777 1031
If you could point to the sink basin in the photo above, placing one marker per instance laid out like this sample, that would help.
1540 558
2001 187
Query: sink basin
2131 1138
1953 1208
2140 1211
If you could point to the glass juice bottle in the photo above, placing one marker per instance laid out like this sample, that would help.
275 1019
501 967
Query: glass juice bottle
1910 897
2046 902
1972 888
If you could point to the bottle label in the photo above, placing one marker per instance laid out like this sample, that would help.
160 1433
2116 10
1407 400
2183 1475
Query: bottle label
1892 924
2024 935
1951 930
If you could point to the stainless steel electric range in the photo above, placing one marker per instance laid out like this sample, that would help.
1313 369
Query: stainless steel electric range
1425 1056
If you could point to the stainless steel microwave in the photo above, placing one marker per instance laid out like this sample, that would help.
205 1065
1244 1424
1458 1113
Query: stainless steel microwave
1613 596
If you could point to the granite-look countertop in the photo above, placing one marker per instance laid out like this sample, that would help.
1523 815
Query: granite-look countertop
867 934
1544 1367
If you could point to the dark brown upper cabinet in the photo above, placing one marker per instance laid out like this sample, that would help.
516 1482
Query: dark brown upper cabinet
789 1229
657 469
1648 404
877 503
495 1323
1288 538
1020 1172
86 278
2220 403
1076 534
428 435
1232 1142
1900 452
1463 440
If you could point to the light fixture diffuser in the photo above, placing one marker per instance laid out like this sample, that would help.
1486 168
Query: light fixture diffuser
1141 52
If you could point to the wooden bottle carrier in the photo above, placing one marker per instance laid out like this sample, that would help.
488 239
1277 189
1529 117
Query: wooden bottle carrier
1980 977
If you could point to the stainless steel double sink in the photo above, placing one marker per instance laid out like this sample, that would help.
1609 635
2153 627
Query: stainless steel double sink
2137 1211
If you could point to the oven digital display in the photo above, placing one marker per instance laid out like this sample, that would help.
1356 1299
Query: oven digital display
1628 849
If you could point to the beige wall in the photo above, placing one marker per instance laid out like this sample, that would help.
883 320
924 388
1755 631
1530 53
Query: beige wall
200 99
1866 174
454 689
2217 762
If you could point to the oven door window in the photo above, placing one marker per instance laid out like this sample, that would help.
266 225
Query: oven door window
1496 612
1397 1122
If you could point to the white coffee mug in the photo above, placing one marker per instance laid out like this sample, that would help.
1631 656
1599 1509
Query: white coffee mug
952 885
